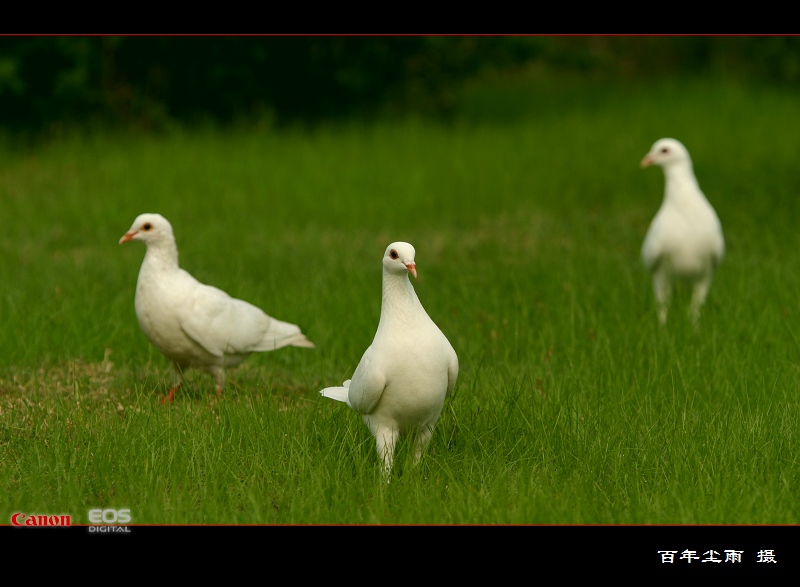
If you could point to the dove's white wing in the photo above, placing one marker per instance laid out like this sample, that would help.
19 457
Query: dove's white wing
222 325
367 384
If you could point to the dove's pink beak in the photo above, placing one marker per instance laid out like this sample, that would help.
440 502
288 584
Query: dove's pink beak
128 236
647 161
412 268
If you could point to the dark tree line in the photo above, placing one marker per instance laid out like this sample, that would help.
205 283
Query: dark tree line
149 80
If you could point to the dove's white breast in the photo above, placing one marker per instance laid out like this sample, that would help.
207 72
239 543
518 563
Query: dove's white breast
413 359
686 235
158 299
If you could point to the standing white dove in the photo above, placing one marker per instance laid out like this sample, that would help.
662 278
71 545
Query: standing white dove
193 324
401 382
684 241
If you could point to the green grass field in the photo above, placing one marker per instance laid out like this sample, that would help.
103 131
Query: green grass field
573 406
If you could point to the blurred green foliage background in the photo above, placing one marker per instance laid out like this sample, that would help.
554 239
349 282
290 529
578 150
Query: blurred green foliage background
48 83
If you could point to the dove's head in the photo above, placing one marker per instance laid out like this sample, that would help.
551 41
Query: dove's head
666 152
399 259
149 228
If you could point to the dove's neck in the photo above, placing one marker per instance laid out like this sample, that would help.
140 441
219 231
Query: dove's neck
161 256
680 183
399 300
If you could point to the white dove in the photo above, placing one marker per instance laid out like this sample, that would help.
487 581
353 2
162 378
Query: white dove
685 239
401 382
193 324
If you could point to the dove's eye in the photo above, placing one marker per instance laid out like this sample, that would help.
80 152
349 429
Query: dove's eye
147 226
393 254
664 150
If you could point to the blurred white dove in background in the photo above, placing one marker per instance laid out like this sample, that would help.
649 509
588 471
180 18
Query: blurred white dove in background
684 241
401 382
192 324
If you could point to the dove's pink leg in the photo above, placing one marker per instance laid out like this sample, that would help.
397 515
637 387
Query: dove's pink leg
423 437
178 373
219 379
171 395
385 441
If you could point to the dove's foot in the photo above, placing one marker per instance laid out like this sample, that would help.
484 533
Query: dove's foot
167 399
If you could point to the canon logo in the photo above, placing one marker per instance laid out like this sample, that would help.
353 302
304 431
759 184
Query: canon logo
20 519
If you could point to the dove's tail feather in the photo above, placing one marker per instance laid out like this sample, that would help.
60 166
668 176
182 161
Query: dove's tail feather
281 334
337 393
301 341
270 343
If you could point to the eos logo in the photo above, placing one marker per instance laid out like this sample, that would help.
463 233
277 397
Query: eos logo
109 516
